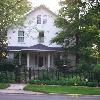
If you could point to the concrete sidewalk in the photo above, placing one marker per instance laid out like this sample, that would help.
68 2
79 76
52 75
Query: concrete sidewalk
18 92
17 89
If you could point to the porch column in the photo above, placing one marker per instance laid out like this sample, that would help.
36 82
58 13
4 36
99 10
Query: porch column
49 60
61 56
44 60
28 60
10 55
52 61
33 60
37 60
19 58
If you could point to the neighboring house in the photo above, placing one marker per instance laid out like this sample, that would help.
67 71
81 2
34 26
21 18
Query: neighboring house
30 44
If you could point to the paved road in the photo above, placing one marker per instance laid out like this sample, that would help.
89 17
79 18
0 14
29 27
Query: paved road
45 97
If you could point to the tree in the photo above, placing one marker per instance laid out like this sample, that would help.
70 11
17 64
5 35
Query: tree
80 20
11 12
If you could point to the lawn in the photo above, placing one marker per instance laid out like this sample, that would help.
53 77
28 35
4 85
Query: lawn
3 85
63 89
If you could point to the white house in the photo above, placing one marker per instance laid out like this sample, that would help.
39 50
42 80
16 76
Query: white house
31 43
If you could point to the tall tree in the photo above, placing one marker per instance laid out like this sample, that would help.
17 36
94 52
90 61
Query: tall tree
11 12
81 20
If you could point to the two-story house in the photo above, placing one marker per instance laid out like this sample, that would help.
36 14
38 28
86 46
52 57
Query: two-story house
31 43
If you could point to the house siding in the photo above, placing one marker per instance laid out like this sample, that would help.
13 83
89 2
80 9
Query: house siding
32 29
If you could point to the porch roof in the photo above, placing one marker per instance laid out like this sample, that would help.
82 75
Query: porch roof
38 47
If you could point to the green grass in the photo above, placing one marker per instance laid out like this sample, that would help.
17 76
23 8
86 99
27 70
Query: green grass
63 89
3 85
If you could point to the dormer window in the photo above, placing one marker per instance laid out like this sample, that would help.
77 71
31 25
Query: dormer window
41 37
20 36
39 19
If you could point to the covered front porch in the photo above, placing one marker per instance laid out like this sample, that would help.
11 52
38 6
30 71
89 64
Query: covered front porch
39 59
37 56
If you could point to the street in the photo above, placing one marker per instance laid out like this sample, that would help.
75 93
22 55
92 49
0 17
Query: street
45 97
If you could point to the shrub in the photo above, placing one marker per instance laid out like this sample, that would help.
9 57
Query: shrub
97 74
63 82
6 65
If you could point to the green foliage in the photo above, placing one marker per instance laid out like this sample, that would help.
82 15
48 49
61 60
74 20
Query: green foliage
71 82
59 63
3 85
97 68
63 89
6 65
7 69
97 73
84 67
11 12
82 20
7 77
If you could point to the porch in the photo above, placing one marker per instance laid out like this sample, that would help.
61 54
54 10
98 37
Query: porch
37 56
37 60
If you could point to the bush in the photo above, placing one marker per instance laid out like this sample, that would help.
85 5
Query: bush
90 84
97 74
6 65
70 82
3 85
62 65
7 71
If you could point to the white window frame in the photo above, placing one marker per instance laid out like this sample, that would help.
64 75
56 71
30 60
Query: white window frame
39 19
44 19
20 36
41 37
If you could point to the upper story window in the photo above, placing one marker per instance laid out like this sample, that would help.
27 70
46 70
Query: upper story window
39 19
41 37
20 36
44 19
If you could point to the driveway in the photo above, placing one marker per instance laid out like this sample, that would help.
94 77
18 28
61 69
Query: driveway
45 97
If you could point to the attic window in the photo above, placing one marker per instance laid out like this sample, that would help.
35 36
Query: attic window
41 37
39 19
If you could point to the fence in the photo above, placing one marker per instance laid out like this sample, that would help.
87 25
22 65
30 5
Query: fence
7 77
22 75
55 74
17 75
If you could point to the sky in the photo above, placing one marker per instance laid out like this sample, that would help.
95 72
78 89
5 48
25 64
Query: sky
51 4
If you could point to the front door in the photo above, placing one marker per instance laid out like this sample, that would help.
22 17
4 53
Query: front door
40 61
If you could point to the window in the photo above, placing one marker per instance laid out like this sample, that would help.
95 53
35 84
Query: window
41 37
39 19
20 36
44 19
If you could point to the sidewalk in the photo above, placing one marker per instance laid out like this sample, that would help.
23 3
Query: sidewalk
17 89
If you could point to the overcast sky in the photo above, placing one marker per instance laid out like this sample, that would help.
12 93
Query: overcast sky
51 4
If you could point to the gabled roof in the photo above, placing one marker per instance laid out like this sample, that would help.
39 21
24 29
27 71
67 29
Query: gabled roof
44 7
38 47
